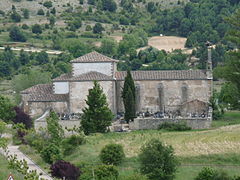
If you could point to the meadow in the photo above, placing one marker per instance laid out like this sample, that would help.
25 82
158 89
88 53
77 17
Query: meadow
217 147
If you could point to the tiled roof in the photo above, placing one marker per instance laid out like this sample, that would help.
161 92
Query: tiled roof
164 75
93 57
90 76
63 77
43 92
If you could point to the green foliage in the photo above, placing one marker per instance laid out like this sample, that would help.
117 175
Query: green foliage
16 34
22 167
15 16
47 4
36 29
71 143
40 12
6 109
98 28
54 128
180 126
2 128
217 108
158 161
230 96
103 172
97 116
31 78
129 97
26 13
109 5
112 154
208 173
51 153
108 47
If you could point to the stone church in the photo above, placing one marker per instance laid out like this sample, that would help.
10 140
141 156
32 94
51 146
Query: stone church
183 92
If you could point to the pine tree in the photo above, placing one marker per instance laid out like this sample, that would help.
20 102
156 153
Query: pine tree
97 116
129 97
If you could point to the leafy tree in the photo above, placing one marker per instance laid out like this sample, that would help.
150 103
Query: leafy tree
15 16
54 128
112 154
97 28
16 34
5 69
51 153
103 172
231 70
109 5
6 109
129 97
36 29
151 7
157 161
208 173
108 47
26 13
22 117
47 4
31 78
97 116
40 12
42 58
23 57
52 20
64 170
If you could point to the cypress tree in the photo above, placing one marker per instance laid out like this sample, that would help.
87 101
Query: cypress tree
97 116
129 97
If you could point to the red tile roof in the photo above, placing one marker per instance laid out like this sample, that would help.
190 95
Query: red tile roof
92 58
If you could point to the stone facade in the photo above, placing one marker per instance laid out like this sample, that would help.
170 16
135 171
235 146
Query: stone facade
185 92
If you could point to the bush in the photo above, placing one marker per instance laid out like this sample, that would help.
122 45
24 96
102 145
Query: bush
210 174
47 4
112 154
36 29
181 126
22 117
62 169
135 176
104 172
70 144
40 12
158 161
16 35
51 153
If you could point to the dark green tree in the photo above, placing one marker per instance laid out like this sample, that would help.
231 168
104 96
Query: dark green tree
96 116
16 34
6 109
23 57
129 97
157 161
36 29
97 28
26 13
15 16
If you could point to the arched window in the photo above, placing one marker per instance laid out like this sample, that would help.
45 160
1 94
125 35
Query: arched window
161 97
184 92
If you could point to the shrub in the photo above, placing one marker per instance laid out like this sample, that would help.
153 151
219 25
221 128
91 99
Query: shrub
40 12
70 143
103 172
22 117
51 153
16 35
158 161
47 4
112 154
36 29
25 26
208 173
135 176
19 134
62 169
181 126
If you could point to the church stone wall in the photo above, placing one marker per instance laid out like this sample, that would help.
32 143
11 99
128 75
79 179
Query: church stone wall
81 68
37 109
79 92
149 95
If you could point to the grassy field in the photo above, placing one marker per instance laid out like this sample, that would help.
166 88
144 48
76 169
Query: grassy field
217 147
5 171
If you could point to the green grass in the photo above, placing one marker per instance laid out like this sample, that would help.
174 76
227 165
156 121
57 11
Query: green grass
217 147
5 171
230 118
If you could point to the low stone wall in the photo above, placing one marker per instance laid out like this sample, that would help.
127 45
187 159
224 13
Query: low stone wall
64 123
153 123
